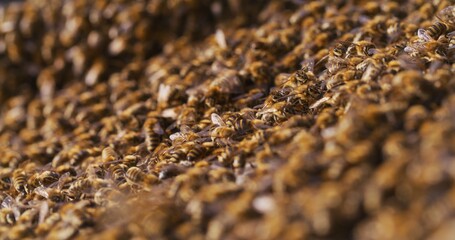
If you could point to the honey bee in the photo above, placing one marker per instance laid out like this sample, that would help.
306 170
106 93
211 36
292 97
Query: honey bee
340 49
19 180
195 152
372 70
153 133
451 37
335 64
117 172
133 110
48 223
135 176
414 117
33 180
394 66
78 188
221 175
221 132
365 48
225 156
79 156
108 154
445 23
20 231
170 170
66 168
48 177
52 194
9 212
130 160
398 47
106 195
29 216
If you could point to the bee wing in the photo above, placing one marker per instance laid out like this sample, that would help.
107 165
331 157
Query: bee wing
319 102
185 129
308 64
322 62
220 38
158 129
176 136
42 192
8 202
423 35
447 14
43 211
164 93
216 119
253 97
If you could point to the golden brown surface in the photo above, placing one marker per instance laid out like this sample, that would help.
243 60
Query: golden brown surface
227 119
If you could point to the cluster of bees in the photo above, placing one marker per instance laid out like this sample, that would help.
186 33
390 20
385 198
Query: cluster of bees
221 119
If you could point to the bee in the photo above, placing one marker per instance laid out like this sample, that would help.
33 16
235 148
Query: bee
66 168
19 180
414 117
239 124
334 64
9 213
340 78
394 66
221 132
298 78
117 172
133 110
221 175
153 133
132 138
130 160
52 194
226 82
398 47
106 195
20 231
372 70
29 216
33 180
48 177
225 155
170 170
176 154
79 156
365 48
135 176
445 23
202 124
48 223
195 152
78 187
108 155
340 48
